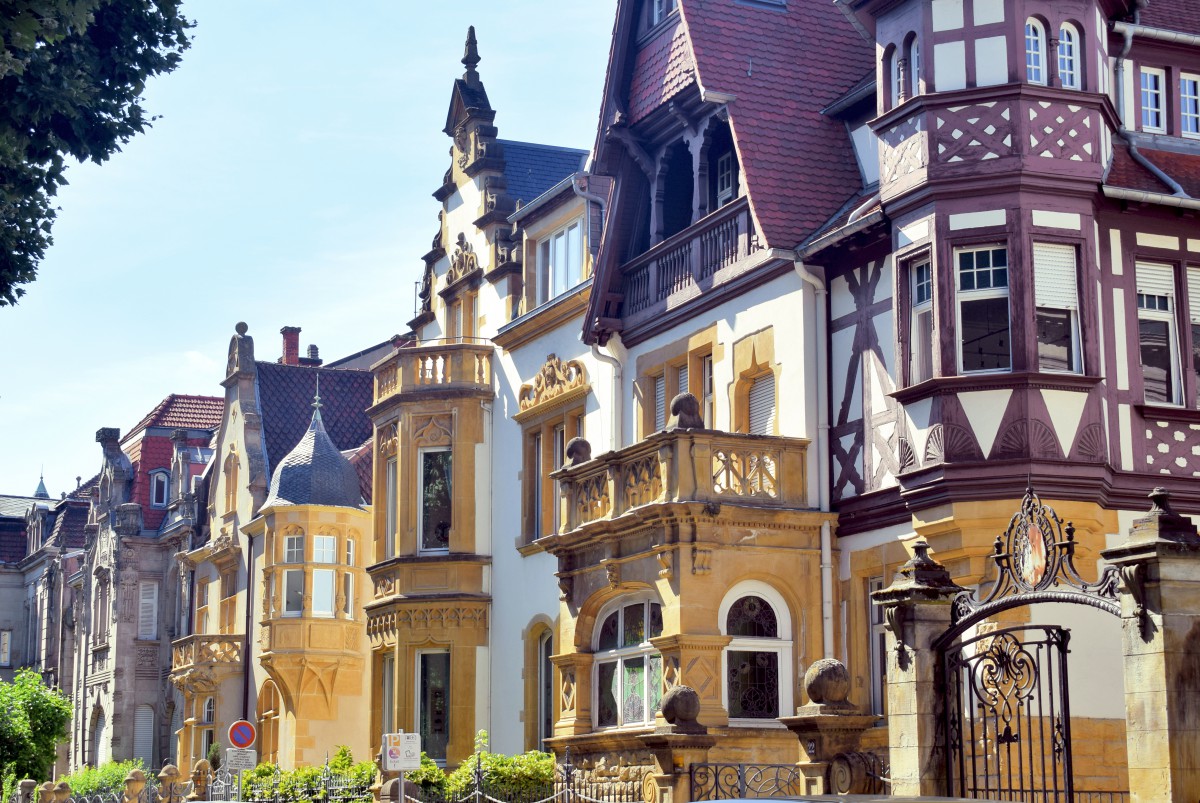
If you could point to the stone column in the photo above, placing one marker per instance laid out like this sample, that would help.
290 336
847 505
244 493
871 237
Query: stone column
201 777
676 746
695 661
575 690
917 608
1159 565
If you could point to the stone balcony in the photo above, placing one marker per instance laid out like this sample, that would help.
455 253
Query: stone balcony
435 368
199 662
705 468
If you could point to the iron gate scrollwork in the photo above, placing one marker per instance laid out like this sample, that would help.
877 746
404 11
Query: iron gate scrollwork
1008 716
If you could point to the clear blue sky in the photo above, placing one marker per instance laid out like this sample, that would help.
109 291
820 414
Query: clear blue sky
287 182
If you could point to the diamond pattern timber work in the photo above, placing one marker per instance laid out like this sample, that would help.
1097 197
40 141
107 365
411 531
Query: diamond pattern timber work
1062 132
974 133
904 149
1172 449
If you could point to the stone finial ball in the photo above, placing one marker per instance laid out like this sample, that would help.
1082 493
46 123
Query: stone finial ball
681 704
241 328
827 681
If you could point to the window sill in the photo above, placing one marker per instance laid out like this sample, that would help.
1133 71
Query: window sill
946 385
768 724
1168 412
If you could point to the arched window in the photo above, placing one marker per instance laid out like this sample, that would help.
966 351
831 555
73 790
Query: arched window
891 68
99 740
758 659
914 67
208 711
230 470
545 688
628 669
1069 72
267 714
1035 52
160 485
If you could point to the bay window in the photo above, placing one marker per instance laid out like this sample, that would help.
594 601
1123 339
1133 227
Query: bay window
560 261
628 668
920 341
983 319
433 702
435 512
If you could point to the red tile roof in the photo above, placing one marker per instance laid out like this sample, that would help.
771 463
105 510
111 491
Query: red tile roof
360 458
1183 167
784 66
70 520
1128 174
181 411
661 69
1174 15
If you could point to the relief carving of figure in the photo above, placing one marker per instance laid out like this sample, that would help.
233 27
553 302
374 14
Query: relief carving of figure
464 260
555 378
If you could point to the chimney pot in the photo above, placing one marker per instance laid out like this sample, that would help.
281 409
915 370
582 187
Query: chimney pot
291 345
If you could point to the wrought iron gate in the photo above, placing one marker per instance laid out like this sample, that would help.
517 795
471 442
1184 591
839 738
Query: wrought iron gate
1008 716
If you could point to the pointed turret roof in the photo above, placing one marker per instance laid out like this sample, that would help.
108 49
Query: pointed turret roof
41 492
469 99
315 472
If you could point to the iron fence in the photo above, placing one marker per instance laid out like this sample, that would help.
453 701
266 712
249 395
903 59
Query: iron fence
324 786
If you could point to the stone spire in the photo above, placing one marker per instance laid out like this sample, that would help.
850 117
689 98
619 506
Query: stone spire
470 57
41 492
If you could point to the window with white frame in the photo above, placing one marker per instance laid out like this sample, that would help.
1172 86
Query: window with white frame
660 10
706 390
293 592
293 549
1156 333
983 319
1189 104
1069 71
726 178
896 76
208 711
760 399
207 737
1035 51
348 594
350 552
5 648
1056 298
878 649
1193 288
389 513
758 659
325 549
1154 116
660 402
914 67
435 512
433 702
160 485
322 593
560 261
387 679
147 610
628 668
920 341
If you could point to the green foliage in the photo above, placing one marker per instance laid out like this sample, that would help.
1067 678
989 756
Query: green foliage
215 755
528 773
72 73
430 777
8 784
105 779
35 721
306 783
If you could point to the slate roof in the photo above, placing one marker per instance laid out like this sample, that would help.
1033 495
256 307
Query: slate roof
1174 15
17 506
784 67
285 394
182 411
12 542
315 472
531 169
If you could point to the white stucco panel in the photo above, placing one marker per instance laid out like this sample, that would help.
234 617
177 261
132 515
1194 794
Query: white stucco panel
843 347
991 61
841 300
947 15
950 65
1066 411
887 346
917 414
987 12
985 410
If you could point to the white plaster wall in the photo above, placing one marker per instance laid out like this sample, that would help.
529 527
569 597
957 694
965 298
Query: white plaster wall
1095 676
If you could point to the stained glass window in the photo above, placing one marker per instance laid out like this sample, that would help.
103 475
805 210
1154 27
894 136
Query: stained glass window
628 670
754 659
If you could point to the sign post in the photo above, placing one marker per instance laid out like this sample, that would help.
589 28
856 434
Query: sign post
401 753
241 756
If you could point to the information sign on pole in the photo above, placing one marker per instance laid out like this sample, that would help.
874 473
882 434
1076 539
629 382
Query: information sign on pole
401 752
240 758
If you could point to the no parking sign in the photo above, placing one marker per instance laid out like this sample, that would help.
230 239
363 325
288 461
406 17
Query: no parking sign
242 734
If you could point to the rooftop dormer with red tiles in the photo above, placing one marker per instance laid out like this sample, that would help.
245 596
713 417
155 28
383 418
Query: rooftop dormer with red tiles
712 131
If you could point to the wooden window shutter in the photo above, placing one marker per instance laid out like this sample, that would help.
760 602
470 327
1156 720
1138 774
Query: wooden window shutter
762 406
147 611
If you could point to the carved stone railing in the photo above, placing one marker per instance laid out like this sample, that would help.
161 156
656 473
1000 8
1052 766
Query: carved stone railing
689 259
685 466
205 649
435 367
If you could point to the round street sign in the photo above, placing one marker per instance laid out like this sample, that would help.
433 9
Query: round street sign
242 734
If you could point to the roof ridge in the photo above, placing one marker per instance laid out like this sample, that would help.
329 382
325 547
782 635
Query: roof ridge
565 148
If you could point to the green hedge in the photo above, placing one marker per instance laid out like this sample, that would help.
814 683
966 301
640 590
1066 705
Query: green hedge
106 778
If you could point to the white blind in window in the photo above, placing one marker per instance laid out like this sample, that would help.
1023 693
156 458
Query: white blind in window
683 379
660 402
143 735
1054 283
1193 280
762 405
147 611
1155 280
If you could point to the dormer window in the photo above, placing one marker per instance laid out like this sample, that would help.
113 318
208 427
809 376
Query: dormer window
560 261
1035 52
722 163
660 10
160 484
725 183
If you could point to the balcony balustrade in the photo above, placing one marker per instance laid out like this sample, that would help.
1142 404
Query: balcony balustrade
678 466
191 651
435 367
692 259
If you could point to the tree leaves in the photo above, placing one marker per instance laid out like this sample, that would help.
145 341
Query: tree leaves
72 74
35 721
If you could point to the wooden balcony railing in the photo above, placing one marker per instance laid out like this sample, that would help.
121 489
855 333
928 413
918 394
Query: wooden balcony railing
690 258
441 366
685 466
206 649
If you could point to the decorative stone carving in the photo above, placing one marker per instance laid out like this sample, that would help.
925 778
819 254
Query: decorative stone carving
701 561
579 450
685 413
433 430
680 707
463 261
554 379
827 681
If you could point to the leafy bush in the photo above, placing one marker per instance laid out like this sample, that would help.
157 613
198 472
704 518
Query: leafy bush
214 756
306 783
35 720
8 784
105 779
529 773
430 777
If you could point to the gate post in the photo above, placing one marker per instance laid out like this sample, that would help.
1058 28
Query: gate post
676 747
917 610
1159 565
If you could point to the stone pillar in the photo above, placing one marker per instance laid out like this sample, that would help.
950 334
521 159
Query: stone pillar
46 792
917 609
682 742
135 782
575 693
62 791
695 661
829 727
1159 565
168 784
201 777
26 790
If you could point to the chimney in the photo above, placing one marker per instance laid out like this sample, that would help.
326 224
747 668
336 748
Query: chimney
291 345
313 357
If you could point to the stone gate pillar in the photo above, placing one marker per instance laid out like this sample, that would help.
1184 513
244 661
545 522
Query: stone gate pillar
917 611
1159 565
